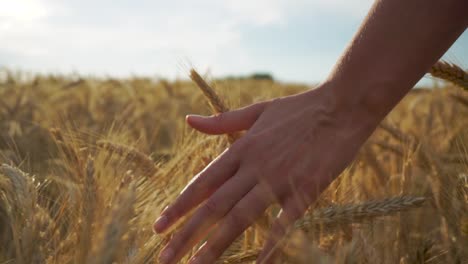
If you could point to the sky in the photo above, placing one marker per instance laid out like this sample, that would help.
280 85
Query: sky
294 40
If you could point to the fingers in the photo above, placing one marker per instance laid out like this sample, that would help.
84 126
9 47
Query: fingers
206 216
241 216
201 187
293 209
232 121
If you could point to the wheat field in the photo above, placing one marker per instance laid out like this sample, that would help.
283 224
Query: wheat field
88 163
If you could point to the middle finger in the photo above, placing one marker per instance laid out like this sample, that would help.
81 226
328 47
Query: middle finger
207 215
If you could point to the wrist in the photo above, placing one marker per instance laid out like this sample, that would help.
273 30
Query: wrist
348 111
371 98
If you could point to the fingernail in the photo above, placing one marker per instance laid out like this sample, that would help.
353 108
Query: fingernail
166 255
161 223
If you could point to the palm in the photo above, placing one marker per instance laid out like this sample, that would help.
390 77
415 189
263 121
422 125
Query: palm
295 146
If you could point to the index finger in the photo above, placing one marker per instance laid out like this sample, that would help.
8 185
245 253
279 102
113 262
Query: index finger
199 188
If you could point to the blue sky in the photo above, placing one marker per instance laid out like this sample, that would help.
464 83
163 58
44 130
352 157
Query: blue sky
295 40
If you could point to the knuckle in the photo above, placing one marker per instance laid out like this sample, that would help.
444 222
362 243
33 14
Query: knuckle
242 144
221 121
197 186
210 251
176 210
176 239
219 118
171 211
238 145
272 102
211 207
237 220
236 151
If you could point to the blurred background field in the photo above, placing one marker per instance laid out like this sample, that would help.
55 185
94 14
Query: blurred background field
89 163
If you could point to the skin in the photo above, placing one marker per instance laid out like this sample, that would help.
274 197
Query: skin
295 146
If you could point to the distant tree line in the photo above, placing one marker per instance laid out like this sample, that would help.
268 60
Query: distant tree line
253 76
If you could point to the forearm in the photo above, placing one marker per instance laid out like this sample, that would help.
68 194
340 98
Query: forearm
395 46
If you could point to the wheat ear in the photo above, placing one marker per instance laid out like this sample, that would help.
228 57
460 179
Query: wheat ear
88 210
20 183
345 214
67 149
18 203
131 154
330 218
215 101
242 257
121 215
450 72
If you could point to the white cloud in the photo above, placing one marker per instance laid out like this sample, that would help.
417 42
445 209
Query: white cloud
22 10
259 12
119 37
355 8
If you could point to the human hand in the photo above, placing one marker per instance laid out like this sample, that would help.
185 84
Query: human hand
294 147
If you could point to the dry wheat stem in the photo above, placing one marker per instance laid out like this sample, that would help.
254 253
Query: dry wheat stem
450 72
48 221
66 147
215 101
340 215
122 213
345 214
88 211
241 257
131 154
20 199
396 133
18 179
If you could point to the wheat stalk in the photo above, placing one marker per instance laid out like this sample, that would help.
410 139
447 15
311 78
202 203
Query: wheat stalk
148 252
341 215
168 87
399 151
20 202
20 183
396 133
131 154
345 214
87 211
450 72
215 101
121 214
241 257
70 153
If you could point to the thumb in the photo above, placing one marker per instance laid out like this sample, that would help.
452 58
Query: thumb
228 122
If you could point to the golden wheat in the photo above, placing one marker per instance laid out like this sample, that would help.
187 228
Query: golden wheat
97 204
215 101
130 154
352 213
450 72
112 241
246 256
